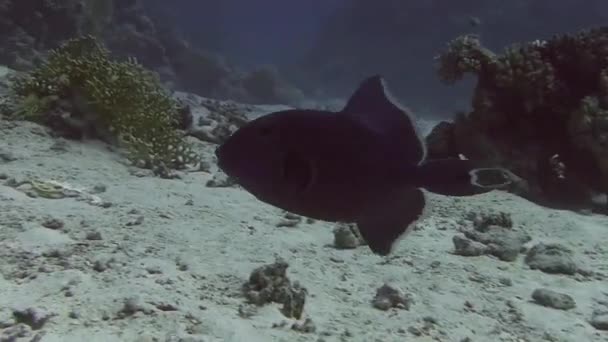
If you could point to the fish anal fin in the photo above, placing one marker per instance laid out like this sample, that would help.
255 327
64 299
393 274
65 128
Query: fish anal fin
391 219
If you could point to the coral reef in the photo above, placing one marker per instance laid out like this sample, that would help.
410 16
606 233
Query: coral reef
535 105
79 90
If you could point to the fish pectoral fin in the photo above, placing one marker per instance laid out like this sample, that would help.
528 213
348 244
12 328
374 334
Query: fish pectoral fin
391 219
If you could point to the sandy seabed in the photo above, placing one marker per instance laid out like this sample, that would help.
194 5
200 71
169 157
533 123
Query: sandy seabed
133 257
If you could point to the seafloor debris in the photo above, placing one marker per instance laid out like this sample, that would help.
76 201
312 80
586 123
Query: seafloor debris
270 283
551 258
599 320
289 220
388 297
220 180
216 120
52 189
553 299
347 236
493 234
36 318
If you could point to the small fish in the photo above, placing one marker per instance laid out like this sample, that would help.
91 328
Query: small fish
474 21
364 164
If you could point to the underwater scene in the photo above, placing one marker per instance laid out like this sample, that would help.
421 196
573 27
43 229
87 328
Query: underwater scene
303 171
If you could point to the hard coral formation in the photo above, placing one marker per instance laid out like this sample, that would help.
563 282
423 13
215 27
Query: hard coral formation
533 102
270 283
80 87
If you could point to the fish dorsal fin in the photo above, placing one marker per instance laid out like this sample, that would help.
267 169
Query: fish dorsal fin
372 105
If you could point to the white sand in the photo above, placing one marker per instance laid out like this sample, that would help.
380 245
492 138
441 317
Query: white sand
225 233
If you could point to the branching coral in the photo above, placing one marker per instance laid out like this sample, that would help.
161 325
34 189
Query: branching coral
121 98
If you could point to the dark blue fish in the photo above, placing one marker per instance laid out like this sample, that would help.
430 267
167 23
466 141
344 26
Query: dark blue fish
365 164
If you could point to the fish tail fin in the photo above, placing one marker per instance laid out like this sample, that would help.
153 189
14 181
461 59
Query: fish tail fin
459 177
